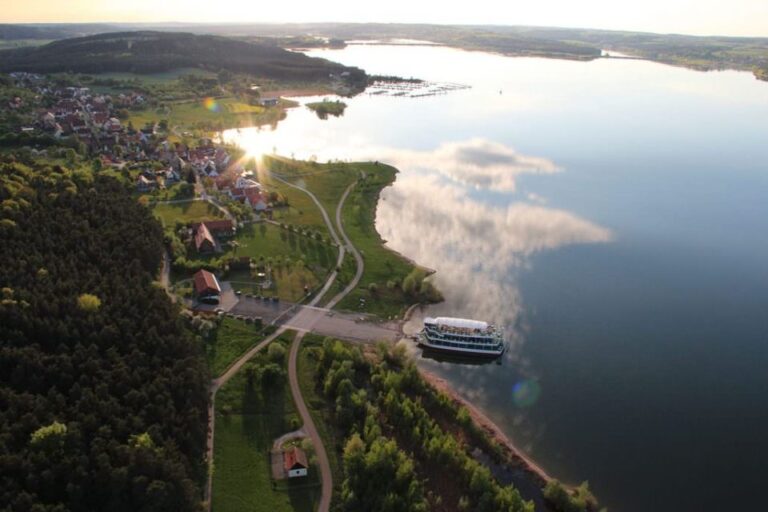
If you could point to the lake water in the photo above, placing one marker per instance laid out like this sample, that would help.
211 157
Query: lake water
614 216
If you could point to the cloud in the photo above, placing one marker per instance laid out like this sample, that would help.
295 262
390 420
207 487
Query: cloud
477 162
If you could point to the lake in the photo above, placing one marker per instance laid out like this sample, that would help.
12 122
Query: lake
613 215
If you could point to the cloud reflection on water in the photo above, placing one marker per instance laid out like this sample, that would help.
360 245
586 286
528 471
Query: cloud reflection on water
478 162
476 248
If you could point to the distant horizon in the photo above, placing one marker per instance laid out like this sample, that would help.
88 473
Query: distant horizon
740 18
278 23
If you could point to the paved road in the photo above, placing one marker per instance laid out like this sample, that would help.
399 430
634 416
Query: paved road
309 427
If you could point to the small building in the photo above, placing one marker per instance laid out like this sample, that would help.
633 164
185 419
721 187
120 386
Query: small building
269 101
295 462
143 184
207 287
204 242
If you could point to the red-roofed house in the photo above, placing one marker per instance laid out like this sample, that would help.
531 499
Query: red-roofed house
295 462
220 228
207 287
204 242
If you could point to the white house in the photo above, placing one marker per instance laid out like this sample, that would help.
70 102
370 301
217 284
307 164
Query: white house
295 462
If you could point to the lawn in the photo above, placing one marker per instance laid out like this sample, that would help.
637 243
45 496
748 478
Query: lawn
218 114
382 265
192 211
297 259
326 181
231 340
249 417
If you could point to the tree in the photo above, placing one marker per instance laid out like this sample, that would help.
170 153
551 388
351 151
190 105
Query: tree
88 302
276 353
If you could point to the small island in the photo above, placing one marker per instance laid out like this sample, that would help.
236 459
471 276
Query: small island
327 107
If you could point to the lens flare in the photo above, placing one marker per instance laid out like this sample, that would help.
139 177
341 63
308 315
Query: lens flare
526 393
211 104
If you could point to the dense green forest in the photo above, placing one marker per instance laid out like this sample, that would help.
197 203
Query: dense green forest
103 392
152 52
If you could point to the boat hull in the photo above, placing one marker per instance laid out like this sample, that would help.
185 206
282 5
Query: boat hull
460 351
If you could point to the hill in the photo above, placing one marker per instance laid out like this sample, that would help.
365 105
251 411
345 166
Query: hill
152 52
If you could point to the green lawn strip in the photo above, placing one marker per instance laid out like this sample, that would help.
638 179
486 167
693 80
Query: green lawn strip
318 406
228 342
249 418
382 265
191 211
226 112
326 181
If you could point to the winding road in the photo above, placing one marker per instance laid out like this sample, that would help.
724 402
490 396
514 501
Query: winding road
309 425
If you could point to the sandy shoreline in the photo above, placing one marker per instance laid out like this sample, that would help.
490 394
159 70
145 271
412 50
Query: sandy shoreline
516 455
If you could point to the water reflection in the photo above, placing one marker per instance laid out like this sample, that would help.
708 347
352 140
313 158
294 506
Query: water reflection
477 162
476 248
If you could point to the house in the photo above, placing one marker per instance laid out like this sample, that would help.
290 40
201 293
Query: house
295 462
207 287
204 242
143 184
220 228
244 182
254 199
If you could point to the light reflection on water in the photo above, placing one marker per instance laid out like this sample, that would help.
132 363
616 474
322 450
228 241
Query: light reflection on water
611 214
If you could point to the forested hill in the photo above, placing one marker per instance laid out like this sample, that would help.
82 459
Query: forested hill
150 52
102 391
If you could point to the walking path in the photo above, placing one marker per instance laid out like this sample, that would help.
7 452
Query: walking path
348 244
309 425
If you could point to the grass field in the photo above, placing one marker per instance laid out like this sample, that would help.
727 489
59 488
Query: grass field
231 340
382 265
297 260
192 211
256 414
201 114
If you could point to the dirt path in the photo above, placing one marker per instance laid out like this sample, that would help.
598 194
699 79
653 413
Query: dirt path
217 383
348 244
309 427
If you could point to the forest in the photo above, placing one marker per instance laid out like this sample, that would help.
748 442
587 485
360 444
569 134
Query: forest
153 52
103 391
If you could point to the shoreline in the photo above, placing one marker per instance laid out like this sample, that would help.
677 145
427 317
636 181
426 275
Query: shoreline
516 456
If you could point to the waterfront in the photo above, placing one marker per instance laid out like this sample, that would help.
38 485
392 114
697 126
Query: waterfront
612 215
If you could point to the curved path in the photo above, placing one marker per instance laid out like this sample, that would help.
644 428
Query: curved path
309 425
310 428
348 244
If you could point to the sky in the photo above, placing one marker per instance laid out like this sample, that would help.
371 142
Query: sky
699 17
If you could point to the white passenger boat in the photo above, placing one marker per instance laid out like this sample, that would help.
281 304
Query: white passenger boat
462 336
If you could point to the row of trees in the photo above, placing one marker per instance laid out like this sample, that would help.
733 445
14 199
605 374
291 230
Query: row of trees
396 455
103 390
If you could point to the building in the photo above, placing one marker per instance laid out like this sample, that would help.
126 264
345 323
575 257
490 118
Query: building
220 228
204 242
269 101
207 287
295 462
